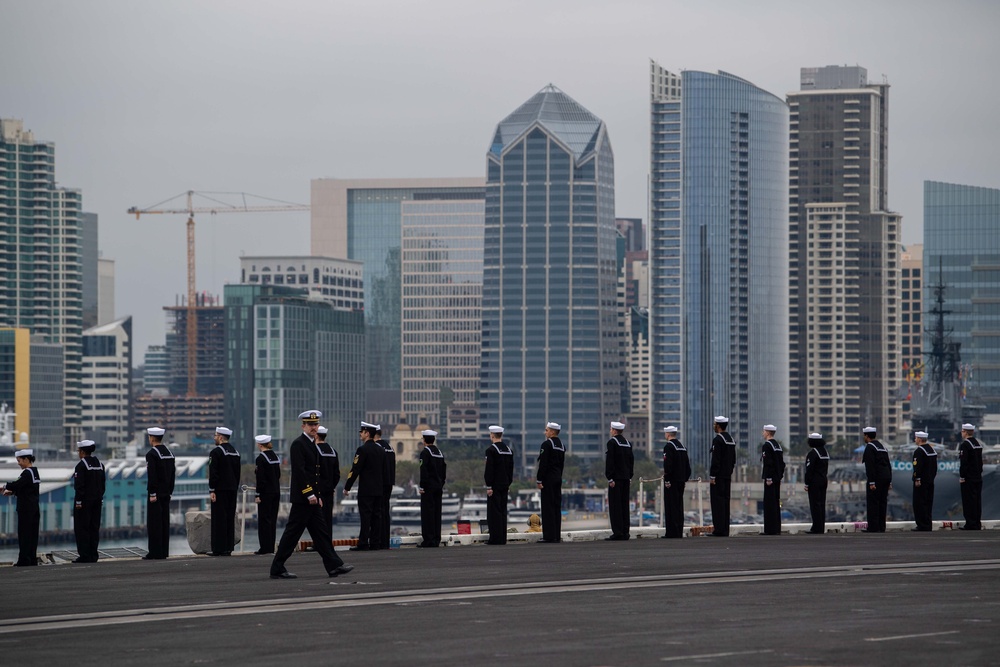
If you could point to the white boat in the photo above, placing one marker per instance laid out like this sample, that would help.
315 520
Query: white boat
406 511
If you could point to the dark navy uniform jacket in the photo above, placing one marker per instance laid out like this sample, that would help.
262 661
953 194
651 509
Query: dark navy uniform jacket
619 463
551 460
499 466
723 456
433 469
676 465
267 470
368 468
160 472
89 480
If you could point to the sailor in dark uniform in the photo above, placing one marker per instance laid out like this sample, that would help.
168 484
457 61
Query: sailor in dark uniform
388 482
924 472
676 473
878 470
368 468
160 472
88 482
720 476
328 474
772 472
970 478
433 473
267 472
619 465
499 475
815 478
551 459
306 512
26 487
223 484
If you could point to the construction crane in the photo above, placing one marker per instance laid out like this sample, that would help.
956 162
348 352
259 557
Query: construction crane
216 206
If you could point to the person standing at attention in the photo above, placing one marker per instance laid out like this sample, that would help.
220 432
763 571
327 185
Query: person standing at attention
26 487
160 473
433 471
499 475
815 478
720 476
88 482
772 472
619 465
551 459
223 484
267 472
676 473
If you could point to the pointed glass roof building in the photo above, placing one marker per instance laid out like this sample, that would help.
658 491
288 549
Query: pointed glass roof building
550 344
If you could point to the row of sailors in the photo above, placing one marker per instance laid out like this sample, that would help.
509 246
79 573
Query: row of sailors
316 475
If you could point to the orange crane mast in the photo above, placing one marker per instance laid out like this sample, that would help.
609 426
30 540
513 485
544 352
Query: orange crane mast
217 206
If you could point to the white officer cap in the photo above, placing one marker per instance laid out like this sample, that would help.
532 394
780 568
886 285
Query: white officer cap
429 432
770 427
367 425
85 443
222 430
968 427
721 420
815 436
920 434
496 429
378 427
322 430
618 426
311 416
870 429
155 430
554 426
24 452
262 439
670 429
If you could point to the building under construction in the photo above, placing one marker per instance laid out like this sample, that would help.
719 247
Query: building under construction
210 346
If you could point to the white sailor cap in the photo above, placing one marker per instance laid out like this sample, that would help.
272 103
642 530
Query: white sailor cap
429 432
496 429
770 427
670 429
968 427
869 429
85 443
24 452
222 430
920 434
262 439
367 425
554 426
721 420
618 426
322 430
311 416
815 436
155 430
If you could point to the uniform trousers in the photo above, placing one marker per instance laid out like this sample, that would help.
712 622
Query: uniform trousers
224 522
87 528
772 508
383 542
719 495
878 501
304 517
267 521
673 509
158 527
327 499
430 517
618 498
27 535
496 516
551 497
972 503
923 505
370 511
817 507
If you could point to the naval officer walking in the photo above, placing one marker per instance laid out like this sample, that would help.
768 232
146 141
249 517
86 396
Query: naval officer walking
499 475
306 511
160 472
223 484
551 459
815 479
925 468
676 473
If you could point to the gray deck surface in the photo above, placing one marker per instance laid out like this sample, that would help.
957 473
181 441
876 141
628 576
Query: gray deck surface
786 600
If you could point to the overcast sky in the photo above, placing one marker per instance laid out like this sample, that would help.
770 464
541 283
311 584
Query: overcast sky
147 100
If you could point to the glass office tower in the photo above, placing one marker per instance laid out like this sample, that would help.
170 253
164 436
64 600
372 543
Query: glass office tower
718 256
551 348
962 251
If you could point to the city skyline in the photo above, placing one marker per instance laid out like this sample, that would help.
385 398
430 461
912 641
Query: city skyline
180 112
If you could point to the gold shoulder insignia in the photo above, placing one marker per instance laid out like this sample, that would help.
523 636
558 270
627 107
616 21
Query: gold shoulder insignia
356 458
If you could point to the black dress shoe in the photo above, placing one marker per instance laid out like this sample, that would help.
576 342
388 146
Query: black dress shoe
284 575
613 538
358 548
262 553
343 569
